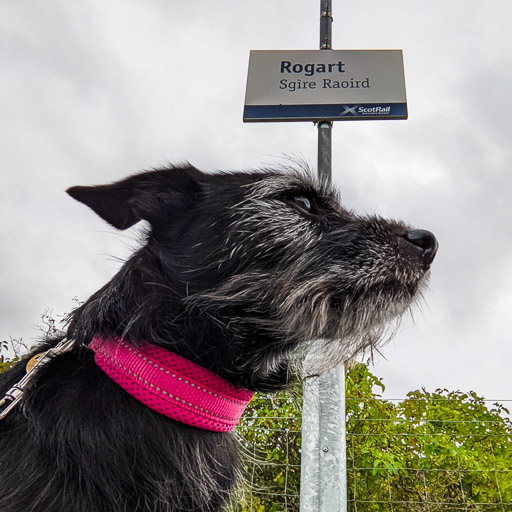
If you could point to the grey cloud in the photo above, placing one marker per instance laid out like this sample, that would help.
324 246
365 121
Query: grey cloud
93 91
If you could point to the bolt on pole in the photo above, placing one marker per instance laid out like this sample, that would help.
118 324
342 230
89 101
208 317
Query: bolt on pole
323 460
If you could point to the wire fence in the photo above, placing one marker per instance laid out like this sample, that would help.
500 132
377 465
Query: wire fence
270 437
452 453
439 451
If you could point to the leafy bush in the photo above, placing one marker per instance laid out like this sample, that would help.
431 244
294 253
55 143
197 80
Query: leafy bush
10 353
441 451
444 450
270 439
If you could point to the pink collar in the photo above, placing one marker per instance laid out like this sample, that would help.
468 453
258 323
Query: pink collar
171 385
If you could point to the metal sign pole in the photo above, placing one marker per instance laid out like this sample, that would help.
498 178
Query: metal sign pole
325 127
323 460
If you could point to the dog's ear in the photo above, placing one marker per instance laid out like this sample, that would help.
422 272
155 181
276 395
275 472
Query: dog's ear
152 196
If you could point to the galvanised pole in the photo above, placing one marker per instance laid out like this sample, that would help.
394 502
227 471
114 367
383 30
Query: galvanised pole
325 127
323 459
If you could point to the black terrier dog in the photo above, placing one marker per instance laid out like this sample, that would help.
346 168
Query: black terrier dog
239 274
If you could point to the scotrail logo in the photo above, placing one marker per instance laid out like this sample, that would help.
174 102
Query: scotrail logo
350 110
357 110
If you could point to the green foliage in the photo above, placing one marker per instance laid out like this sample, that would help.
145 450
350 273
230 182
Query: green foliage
10 353
270 440
6 364
442 451
13 349
445 450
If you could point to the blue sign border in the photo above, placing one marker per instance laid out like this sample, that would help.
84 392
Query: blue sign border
329 112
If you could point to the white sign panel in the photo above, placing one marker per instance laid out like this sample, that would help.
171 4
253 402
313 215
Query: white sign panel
321 85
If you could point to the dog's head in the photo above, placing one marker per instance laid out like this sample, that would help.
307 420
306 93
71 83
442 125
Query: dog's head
239 270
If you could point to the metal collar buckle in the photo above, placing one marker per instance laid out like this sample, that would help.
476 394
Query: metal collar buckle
16 392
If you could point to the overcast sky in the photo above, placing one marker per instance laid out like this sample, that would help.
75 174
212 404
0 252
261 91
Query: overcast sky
91 91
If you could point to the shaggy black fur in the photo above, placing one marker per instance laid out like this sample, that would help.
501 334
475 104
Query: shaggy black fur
237 272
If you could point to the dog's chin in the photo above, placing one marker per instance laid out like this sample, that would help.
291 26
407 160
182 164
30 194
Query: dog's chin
319 356
345 334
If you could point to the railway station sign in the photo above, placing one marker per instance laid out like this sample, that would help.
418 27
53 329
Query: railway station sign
323 85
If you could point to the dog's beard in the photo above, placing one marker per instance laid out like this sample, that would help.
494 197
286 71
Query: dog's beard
314 324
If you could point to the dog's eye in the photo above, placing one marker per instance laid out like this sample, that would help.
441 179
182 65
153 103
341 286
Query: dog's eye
302 202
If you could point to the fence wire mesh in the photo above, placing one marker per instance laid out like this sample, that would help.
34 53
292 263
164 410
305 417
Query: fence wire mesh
439 451
270 437
418 454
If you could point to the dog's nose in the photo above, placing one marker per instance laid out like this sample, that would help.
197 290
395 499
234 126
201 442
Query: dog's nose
426 241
